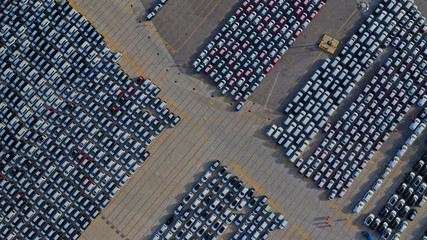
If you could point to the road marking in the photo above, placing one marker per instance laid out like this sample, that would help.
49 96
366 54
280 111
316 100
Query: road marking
412 221
303 233
196 10
194 83
211 102
122 196
290 231
256 186
295 196
271 90
143 195
228 131
200 15
169 185
339 211
179 18
182 45
309 210
348 19
202 42
268 170
91 6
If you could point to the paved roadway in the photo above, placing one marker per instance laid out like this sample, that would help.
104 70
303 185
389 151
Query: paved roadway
210 128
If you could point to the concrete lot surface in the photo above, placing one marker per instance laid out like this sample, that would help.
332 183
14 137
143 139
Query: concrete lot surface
210 129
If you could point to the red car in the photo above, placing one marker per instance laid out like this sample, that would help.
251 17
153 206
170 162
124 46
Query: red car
260 27
248 72
80 157
296 3
1 177
85 162
19 196
235 47
228 34
282 21
271 3
113 110
237 97
245 45
208 69
118 94
231 61
306 2
239 11
276 29
213 52
86 181
49 113
276 59
320 6
303 17
232 81
250 9
269 68
130 91
239 73
263 54
267 18
256 2
312 15
140 80
245 3
298 32
299 11
222 51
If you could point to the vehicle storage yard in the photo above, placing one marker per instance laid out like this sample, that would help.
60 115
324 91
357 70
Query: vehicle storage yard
222 173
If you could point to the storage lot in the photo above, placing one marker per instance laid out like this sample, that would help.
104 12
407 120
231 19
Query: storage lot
73 130
141 208
237 146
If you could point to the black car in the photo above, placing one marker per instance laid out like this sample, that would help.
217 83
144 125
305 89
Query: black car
222 171
233 181
408 193
170 220
382 228
404 211
375 224
412 200
395 223
228 197
215 165
384 211
418 166
409 177
412 214
238 185
250 193
207 200
401 188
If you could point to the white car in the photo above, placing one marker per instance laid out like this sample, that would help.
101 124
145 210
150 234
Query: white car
196 63
358 207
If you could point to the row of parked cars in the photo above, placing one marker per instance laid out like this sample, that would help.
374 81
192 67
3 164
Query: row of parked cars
409 195
395 160
74 127
252 42
152 12
216 201
353 140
